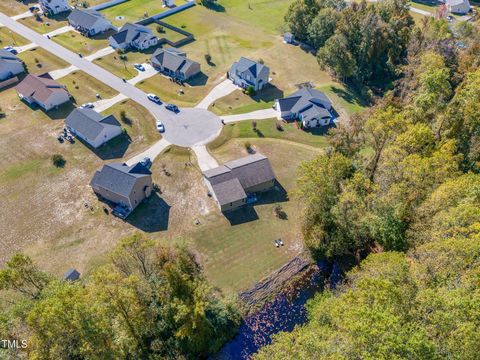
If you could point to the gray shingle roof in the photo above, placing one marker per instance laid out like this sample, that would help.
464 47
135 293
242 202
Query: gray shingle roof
247 65
131 32
247 172
90 123
302 99
85 18
119 178
229 191
6 57
172 59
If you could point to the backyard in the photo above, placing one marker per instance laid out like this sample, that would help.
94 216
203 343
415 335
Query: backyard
40 61
77 43
84 88
43 24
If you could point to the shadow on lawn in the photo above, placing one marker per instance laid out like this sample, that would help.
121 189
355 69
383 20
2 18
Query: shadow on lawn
152 215
213 6
241 216
267 94
198 80
114 149
349 96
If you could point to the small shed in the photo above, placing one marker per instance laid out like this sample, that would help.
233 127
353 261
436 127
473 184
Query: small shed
289 38
71 275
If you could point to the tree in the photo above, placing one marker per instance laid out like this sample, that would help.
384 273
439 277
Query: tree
58 160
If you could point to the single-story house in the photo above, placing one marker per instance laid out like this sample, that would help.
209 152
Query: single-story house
91 127
89 22
122 184
246 73
458 6
10 65
289 38
133 36
54 7
43 91
231 183
310 106
174 63
71 275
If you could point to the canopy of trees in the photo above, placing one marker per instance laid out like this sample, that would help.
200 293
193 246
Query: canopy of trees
149 302
363 43
401 183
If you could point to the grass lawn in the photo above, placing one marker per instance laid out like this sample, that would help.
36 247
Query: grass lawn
239 103
236 256
40 61
10 38
84 88
89 2
268 129
134 10
430 7
45 24
77 43
14 7
121 68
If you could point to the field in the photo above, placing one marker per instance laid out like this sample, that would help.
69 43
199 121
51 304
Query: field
77 43
45 25
40 61
84 88
134 10
267 129
124 68
13 7
8 37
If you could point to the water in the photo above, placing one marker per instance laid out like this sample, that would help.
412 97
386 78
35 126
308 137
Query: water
285 312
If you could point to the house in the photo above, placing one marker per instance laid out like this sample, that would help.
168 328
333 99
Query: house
43 91
133 36
54 7
310 106
91 127
169 3
232 183
174 63
123 185
458 6
89 22
246 73
71 275
288 38
10 65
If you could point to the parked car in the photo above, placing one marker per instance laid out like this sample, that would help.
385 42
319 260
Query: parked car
154 98
11 50
139 67
146 162
172 107
87 106
160 126
33 8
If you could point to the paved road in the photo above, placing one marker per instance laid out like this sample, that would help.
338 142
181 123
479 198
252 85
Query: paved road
187 128
254 115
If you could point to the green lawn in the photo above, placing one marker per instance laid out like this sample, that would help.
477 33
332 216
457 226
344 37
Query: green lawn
40 61
77 43
236 256
10 38
268 129
45 24
124 68
14 7
239 103
83 87
431 8
134 10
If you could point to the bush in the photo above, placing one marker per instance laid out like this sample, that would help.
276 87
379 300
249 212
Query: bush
2 113
250 91
254 125
248 146
58 161
160 29
260 61
280 213
208 58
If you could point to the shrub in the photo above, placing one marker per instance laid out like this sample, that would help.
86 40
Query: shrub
250 91
2 113
58 161
248 146
160 29
260 61
208 58
254 125
280 213
279 126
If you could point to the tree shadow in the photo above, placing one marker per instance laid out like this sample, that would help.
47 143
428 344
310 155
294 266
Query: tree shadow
198 80
349 96
152 215
320 130
215 6
267 94
242 215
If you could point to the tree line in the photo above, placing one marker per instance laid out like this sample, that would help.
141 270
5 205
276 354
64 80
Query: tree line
400 186
149 302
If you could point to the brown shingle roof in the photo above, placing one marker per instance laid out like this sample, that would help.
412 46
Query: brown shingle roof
40 87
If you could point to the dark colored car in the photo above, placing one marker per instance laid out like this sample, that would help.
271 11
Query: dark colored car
172 107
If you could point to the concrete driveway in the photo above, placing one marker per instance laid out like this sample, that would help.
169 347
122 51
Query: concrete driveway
254 115
204 159
189 127
223 89
151 152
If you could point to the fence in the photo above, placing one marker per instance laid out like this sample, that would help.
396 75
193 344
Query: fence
108 4
167 13
187 39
